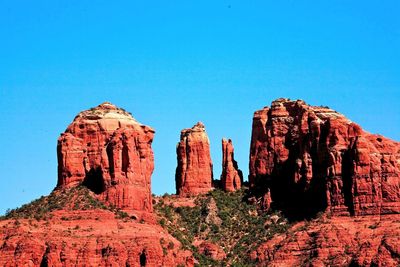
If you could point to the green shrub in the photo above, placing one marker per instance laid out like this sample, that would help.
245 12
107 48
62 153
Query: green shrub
77 198
239 233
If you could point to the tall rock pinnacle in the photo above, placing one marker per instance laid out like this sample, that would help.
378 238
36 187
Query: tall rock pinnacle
194 173
108 151
231 177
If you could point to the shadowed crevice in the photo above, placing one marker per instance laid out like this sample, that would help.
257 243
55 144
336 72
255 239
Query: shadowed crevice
94 181
143 259
347 174
125 158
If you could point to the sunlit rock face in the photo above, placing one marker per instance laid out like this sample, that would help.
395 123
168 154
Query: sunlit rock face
88 238
231 177
108 151
194 173
306 159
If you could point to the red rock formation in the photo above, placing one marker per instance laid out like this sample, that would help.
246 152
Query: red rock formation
308 159
110 153
107 150
231 177
194 173
340 241
212 250
93 237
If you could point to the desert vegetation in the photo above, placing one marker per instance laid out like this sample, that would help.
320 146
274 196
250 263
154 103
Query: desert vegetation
224 219
76 198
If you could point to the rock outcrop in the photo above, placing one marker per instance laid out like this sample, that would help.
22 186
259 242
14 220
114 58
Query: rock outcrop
305 159
231 177
339 241
194 173
88 238
212 250
108 151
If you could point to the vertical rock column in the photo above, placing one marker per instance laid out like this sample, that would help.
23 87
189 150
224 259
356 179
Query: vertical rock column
231 177
194 172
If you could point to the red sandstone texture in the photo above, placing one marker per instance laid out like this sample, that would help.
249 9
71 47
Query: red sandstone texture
231 177
307 159
110 153
88 238
194 174
107 150
340 241
303 159
211 250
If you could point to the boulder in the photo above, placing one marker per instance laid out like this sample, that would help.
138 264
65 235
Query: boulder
212 250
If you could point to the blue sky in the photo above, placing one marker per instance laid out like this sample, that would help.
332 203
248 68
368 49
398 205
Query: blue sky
173 63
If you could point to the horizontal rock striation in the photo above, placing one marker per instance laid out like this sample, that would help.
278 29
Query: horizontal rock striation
88 238
340 241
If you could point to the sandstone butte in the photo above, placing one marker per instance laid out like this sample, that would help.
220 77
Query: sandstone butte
110 153
194 173
231 177
306 159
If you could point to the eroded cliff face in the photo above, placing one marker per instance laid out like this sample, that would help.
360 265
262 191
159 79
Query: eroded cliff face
339 241
306 159
231 177
108 151
303 160
105 162
194 173
88 238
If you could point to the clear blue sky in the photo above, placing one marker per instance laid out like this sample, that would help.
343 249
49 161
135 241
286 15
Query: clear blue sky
173 63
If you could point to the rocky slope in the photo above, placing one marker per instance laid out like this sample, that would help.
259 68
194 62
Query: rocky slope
194 173
337 241
219 227
224 230
231 177
72 228
306 159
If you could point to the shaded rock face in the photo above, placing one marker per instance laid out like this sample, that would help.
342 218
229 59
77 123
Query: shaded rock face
108 151
305 159
231 177
194 173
